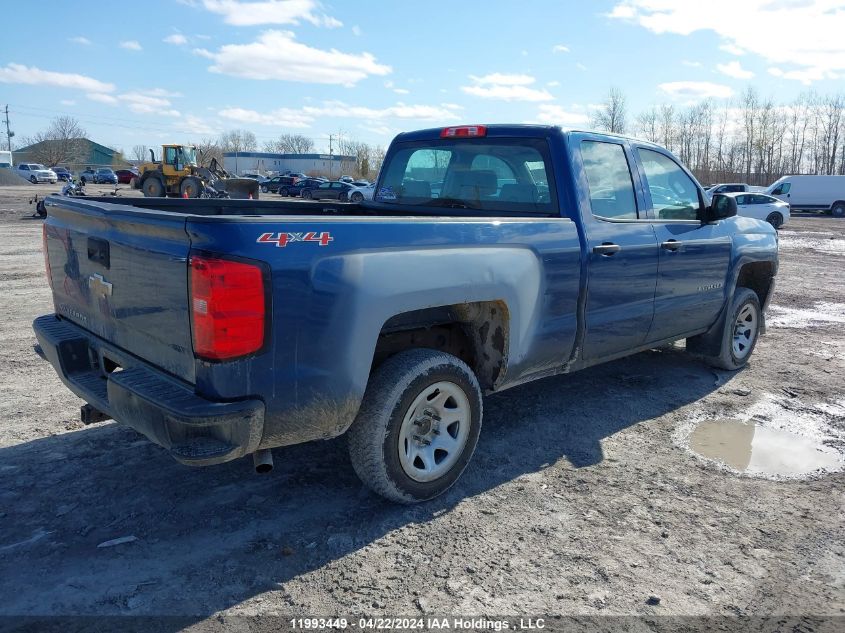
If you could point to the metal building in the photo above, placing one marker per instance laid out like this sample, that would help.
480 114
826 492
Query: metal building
267 163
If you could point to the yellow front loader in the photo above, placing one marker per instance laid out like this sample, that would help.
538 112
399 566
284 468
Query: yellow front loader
177 175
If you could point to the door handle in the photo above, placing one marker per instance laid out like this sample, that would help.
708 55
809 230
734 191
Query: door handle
607 249
671 245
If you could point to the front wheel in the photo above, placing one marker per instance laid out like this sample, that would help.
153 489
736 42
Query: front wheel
417 427
33 180
357 196
307 195
740 331
775 219
264 189
283 191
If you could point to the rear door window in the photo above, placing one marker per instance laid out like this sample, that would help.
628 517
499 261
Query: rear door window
489 174
609 178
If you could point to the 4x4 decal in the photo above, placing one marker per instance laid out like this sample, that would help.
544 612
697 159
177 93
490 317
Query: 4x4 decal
283 239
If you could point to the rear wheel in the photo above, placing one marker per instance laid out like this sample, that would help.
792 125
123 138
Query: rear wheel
417 427
838 210
775 219
152 187
357 196
190 187
739 332
283 191
33 180
307 195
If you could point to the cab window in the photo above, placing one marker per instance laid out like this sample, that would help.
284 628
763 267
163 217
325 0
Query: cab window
674 195
781 189
609 179
170 155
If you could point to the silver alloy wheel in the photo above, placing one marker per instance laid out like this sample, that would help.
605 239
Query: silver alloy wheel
745 331
434 431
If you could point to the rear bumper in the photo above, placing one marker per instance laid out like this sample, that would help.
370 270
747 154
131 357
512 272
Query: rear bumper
195 431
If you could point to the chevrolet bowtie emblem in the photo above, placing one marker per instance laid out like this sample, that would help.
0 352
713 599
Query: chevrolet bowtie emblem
99 286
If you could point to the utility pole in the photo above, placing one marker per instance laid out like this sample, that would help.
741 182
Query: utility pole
9 133
331 159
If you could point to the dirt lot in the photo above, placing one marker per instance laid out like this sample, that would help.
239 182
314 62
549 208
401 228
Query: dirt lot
583 496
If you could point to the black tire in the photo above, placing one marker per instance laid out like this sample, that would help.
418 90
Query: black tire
153 187
190 185
374 437
33 180
775 219
82 180
728 357
838 210
357 196
264 189
283 191
307 195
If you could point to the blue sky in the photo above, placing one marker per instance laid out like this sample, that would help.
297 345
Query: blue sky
182 70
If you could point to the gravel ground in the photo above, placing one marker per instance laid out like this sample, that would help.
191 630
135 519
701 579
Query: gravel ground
583 497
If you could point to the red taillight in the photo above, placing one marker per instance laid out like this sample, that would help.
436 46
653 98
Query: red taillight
463 131
227 307
46 254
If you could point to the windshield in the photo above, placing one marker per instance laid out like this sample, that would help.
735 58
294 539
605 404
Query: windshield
484 174
189 155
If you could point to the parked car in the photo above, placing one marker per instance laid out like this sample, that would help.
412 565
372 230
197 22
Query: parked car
276 182
65 175
297 188
35 173
727 187
104 176
125 176
811 193
762 207
261 179
332 190
87 175
348 179
392 327
360 193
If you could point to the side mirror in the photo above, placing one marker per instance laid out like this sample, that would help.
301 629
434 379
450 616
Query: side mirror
721 207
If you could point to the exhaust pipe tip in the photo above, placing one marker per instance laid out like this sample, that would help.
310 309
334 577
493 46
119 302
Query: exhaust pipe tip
263 460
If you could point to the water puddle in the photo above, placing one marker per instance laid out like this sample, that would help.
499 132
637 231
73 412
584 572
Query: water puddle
758 450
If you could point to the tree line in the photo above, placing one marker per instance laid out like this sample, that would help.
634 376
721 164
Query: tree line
752 139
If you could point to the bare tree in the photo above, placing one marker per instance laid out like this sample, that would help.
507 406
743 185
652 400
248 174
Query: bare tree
208 149
62 142
648 126
238 141
611 116
290 144
140 153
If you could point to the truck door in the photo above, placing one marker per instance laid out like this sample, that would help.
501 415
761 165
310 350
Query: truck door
693 257
622 252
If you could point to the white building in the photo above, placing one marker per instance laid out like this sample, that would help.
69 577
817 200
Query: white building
266 163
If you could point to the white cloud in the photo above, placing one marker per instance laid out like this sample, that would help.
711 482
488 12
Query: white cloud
734 69
692 91
553 84
292 61
553 114
68 102
176 38
733 49
131 45
242 13
80 40
401 91
580 66
196 125
776 72
687 62
305 116
356 31
560 48
19 74
765 28
141 102
503 87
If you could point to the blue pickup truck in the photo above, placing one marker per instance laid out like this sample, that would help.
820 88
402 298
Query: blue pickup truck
488 257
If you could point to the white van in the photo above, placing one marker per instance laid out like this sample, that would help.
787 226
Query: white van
6 160
812 193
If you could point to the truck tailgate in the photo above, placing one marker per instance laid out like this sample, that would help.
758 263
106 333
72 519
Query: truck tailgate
122 274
